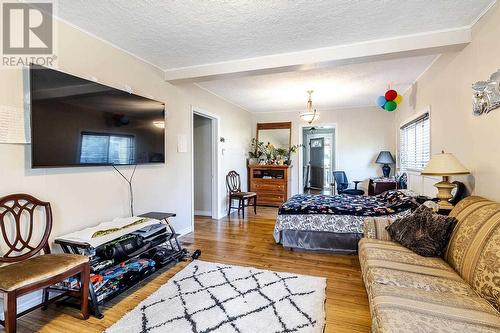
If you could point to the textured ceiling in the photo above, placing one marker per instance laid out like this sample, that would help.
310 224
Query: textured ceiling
178 33
347 86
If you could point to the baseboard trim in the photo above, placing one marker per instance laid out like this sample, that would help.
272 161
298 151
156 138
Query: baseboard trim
203 213
185 231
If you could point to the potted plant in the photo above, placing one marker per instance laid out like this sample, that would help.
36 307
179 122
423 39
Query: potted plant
281 155
293 149
256 151
261 153
270 153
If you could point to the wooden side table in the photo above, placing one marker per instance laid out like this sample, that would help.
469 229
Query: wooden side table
380 185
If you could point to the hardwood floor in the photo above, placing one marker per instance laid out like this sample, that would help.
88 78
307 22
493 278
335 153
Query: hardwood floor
235 241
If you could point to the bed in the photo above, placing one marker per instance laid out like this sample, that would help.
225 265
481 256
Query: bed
334 222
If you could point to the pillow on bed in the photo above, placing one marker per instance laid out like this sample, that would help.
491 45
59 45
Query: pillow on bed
423 232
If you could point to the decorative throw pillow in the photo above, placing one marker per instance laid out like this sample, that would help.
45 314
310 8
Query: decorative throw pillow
423 232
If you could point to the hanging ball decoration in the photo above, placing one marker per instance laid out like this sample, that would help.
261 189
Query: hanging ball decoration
381 101
390 95
390 106
389 102
398 99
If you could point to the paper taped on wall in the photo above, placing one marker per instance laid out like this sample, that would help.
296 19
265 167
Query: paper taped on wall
13 127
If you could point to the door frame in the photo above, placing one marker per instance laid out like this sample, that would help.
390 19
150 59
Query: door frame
216 163
301 155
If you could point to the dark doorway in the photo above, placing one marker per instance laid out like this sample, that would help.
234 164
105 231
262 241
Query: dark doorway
318 158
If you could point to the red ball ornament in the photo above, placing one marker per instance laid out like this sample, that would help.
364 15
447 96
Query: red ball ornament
391 95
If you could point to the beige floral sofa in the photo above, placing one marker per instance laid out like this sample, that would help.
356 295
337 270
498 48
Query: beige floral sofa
460 293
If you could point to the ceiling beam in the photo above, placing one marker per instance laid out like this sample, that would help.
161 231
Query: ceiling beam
381 49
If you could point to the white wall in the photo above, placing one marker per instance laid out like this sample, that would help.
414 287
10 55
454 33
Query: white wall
82 197
233 128
361 134
202 164
446 88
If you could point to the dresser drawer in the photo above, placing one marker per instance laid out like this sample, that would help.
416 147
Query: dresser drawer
270 198
268 186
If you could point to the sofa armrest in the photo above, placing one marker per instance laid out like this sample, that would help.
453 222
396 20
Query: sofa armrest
374 227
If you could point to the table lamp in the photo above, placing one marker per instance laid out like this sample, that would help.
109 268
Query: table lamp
385 158
446 165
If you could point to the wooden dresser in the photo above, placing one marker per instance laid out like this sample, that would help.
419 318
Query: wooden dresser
270 182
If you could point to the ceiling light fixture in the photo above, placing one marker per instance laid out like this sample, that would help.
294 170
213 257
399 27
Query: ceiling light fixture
310 114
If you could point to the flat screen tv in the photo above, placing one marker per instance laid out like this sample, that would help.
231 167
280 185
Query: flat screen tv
77 122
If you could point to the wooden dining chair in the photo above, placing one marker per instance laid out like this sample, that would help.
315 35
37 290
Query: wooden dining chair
23 268
233 183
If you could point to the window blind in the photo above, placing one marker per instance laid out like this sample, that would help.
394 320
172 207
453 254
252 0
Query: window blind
414 144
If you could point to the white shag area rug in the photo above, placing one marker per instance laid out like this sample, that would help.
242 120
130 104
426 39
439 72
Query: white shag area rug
210 297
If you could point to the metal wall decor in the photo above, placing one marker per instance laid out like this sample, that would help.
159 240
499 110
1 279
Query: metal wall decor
486 95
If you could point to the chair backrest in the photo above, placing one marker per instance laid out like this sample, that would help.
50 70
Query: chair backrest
459 192
341 180
21 215
474 246
233 182
403 181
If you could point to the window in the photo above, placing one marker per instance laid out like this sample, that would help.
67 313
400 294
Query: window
414 144
98 148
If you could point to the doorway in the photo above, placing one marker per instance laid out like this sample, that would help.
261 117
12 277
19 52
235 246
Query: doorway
203 165
318 158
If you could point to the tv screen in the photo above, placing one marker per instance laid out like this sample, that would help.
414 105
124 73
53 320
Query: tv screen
77 122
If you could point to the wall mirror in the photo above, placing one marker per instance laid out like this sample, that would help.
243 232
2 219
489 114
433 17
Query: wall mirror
277 134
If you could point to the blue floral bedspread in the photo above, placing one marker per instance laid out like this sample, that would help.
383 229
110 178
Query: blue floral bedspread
389 202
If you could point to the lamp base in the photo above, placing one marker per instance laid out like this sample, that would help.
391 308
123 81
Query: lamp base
386 170
444 193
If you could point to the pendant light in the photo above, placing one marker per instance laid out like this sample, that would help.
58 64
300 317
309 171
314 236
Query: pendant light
310 114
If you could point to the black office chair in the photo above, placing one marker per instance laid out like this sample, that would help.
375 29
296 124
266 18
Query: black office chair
342 184
402 181
459 192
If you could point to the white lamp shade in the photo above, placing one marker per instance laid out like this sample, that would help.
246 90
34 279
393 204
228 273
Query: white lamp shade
444 164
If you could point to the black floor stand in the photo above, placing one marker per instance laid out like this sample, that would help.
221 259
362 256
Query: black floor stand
175 253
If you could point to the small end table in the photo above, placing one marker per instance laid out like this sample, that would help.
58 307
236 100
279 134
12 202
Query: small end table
380 185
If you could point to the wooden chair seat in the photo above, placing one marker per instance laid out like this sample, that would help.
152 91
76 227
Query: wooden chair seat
37 269
243 194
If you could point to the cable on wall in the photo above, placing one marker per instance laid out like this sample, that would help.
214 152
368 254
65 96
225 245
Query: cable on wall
129 181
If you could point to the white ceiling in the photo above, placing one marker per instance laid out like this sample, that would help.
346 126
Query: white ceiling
179 33
200 38
347 86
